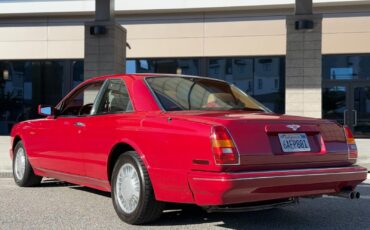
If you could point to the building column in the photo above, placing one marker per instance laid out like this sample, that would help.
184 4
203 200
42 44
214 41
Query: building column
303 62
105 43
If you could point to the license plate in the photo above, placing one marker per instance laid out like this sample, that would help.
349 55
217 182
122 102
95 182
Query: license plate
294 142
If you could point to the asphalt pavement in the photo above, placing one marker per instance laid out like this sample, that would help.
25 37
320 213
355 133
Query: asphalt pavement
57 205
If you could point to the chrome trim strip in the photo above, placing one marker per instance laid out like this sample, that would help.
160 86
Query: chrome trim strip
296 170
273 177
74 176
179 75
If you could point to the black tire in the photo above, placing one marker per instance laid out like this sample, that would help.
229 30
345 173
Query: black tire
29 179
148 208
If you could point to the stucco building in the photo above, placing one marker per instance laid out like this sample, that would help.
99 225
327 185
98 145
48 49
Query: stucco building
243 42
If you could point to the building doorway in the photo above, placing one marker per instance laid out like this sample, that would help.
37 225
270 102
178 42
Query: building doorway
349 104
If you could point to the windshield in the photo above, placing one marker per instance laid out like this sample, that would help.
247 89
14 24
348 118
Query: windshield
186 93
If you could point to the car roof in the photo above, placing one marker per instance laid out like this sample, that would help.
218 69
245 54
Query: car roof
139 76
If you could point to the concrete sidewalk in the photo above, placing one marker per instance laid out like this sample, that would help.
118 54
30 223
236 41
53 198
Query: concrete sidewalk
363 146
6 164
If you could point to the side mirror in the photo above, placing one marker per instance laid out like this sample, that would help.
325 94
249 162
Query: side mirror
46 110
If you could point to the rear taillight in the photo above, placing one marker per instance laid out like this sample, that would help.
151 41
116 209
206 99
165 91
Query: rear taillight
223 147
352 148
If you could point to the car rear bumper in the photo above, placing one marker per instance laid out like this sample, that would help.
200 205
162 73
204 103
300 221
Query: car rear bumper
220 188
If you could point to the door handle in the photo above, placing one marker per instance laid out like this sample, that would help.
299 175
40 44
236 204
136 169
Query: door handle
79 124
345 116
355 120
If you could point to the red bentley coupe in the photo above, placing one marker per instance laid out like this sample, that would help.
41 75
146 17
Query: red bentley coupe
154 139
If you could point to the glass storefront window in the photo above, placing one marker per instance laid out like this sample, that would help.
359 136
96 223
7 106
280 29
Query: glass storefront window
16 91
334 102
262 77
346 67
77 72
25 84
186 66
346 91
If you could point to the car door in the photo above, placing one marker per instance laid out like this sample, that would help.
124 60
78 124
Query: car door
68 126
112 116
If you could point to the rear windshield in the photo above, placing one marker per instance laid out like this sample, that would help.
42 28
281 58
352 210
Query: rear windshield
185 93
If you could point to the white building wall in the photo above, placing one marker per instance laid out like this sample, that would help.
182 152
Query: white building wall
196 34
41 39
346 33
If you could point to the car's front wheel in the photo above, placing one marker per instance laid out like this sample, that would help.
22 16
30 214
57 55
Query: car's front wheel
22 170
132 191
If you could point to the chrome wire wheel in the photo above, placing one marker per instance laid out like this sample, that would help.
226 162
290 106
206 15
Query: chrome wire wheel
20 164
128 188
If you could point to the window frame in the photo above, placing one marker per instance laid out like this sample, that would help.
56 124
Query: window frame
76 91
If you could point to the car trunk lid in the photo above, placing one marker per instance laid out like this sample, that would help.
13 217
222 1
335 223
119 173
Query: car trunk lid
260 139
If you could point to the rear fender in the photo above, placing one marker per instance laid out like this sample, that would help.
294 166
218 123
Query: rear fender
135 147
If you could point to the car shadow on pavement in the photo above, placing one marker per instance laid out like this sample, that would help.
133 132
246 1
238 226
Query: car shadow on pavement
322 213
54 183
91 190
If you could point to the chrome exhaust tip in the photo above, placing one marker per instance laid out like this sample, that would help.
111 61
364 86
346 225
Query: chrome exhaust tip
352 195
357 195
348 194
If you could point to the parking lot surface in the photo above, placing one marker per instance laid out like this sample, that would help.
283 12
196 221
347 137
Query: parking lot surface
57 205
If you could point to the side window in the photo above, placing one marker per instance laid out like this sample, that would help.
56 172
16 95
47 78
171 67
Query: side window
81 102
114 99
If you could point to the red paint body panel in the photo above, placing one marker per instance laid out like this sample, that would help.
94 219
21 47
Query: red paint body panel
232 188
176 149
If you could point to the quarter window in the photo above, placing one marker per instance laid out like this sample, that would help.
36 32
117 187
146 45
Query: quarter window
114 99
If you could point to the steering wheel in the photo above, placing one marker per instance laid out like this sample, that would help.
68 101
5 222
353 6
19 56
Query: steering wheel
85 109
